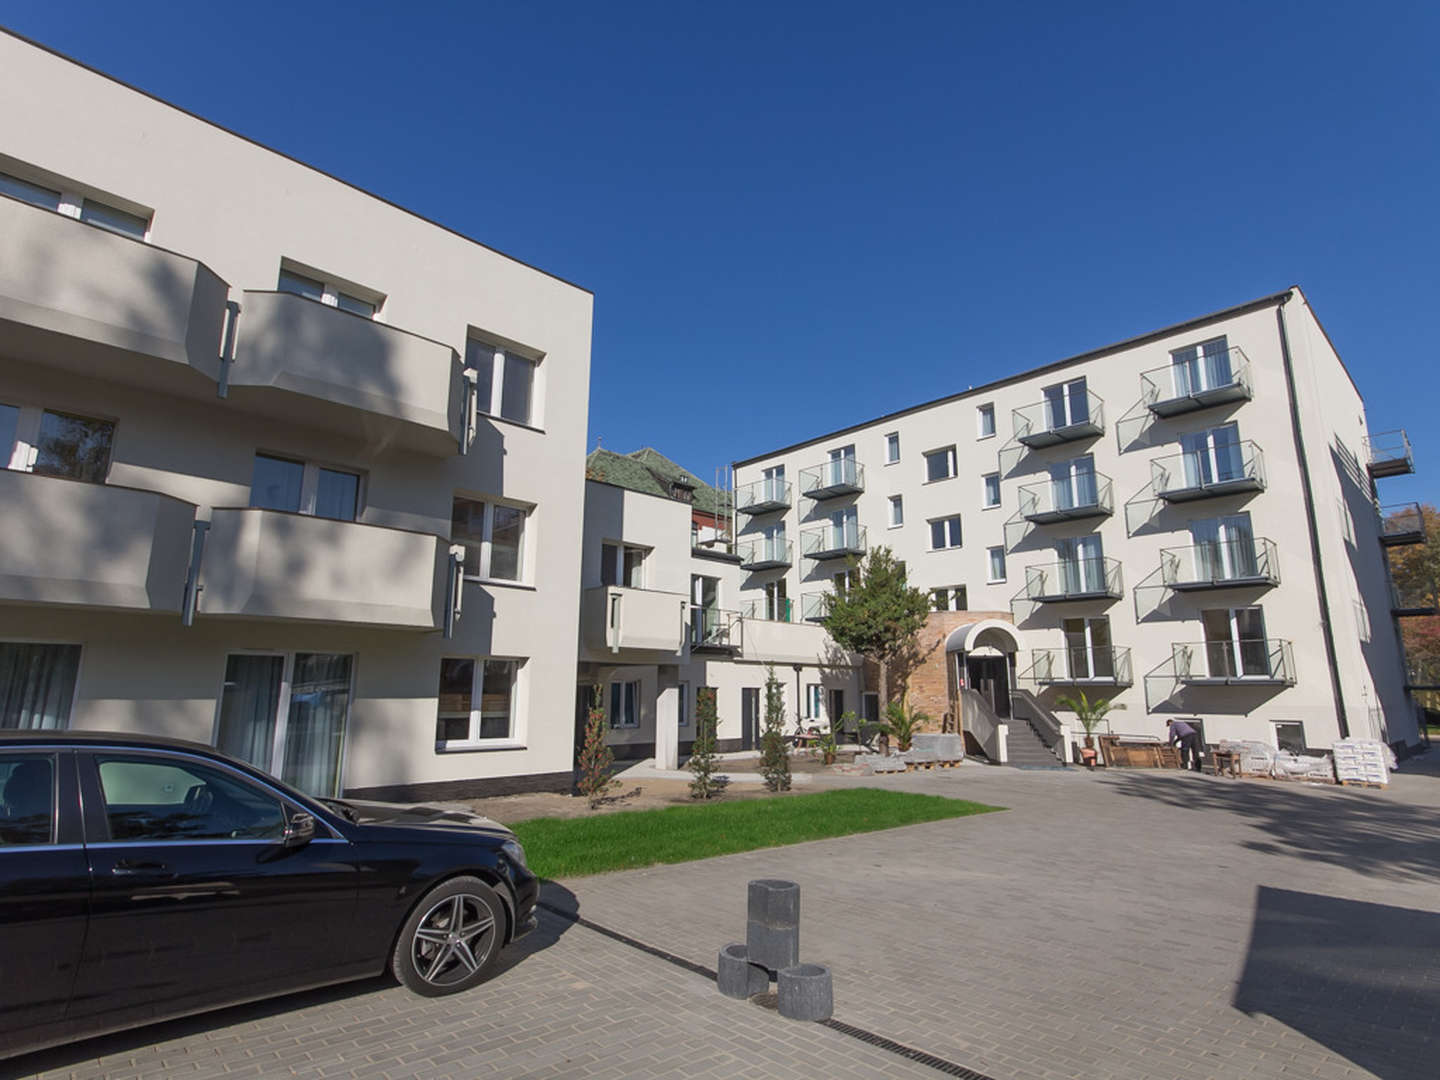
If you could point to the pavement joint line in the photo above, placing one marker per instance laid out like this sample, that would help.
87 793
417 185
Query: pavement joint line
910 1053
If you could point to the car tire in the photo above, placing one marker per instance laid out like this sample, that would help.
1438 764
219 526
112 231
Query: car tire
452 939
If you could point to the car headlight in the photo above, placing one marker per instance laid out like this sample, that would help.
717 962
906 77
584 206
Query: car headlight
516 853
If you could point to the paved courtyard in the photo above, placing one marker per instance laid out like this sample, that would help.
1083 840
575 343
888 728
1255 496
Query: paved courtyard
1122 925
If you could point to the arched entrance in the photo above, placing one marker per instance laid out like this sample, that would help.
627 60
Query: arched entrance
980 658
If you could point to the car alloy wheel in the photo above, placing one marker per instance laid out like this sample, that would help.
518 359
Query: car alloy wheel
452 938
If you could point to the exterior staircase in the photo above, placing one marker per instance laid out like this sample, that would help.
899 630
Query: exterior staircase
1026 749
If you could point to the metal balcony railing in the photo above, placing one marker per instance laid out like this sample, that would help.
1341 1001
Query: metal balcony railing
714 628
1046 423
840 476
1223 564
1422 675
1078 579
1416 599
1267 661
781 610
765 553
812 606
1187 386
1387 453
1082 496
1201 474
1106 666
832 541
1402 523
762 496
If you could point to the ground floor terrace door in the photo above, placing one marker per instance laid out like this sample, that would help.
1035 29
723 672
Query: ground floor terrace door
749 717
990 676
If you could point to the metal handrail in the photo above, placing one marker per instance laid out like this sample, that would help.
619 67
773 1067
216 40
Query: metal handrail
1196 470
1073 579
1388 446
844 473
1059 665
1401 519
765 493
712 627
812 606
827 539
1246 559
1260 660
1418 599
1159 384
765 550
1039 500
1036 418
759 609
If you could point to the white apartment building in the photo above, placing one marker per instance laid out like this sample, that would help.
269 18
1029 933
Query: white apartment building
1185 523
288 469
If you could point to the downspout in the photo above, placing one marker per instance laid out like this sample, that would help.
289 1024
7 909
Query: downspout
1327 631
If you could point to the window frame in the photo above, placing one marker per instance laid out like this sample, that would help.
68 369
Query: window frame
896 504
487 539
625 685
52 758
952 593
310 484
985 503
984 413
95 757
949 523
79 674
24 450
515 740
332 290
72 197
491 403
952 463
815 701
990 578
682 704
892 442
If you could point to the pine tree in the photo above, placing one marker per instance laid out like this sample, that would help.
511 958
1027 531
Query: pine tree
596 758
703 760
774 755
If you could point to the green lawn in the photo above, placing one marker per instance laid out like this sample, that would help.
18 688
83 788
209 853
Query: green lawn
568 847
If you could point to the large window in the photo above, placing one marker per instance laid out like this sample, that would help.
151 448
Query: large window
37 685
27 799
625 704
476 702
1206 366
814 701
949 598
72 204
349 298
945 533
939 464
1066 404
1213 457
1089 652
505 381
301 487
493 535
1235 645
623 565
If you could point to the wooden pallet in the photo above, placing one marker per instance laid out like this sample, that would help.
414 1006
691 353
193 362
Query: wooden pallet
1363 784
916 766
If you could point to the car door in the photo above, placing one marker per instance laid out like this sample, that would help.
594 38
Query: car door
44 892
196 899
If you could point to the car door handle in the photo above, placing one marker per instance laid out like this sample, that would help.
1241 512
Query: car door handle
141 868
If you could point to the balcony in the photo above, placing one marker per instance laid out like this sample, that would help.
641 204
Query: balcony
1226 564
1389 454
812 606
271 564
1422 675
1247 662
715 630
1086 496
67 542
762 610
88 300
313 365
1106 666
1203 474
776 642
1403 523
1049 423
622 620
762 496
1413 600
1068 582
1216 379
832 541
841 476
765 554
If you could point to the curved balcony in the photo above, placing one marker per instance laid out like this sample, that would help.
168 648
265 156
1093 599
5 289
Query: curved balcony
1182 387
1403 523
830 479
1388 453
1105 666
1226 564
1204 474
1085 496
765 554
832 541
1267 662
762 496
1068 582
1047 423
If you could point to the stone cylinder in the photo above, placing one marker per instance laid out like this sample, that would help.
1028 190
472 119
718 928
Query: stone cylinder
772 926
737 977
806 992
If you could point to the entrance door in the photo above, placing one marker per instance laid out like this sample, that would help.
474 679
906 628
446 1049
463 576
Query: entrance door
837 707
749 717
990 675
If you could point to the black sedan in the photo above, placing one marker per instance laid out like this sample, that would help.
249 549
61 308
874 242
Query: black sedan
146 878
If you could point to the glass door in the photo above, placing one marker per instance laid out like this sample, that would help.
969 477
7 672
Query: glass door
1212 456
845 528
773 484
841 466
1235 644
1082 566
704 608
1201 367
777 606
1088 650
1072 483
774 546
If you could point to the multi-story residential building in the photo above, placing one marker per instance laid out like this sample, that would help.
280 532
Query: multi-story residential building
291 470
1184 523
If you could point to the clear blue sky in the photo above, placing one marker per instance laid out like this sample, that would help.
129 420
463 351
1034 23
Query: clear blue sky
798 216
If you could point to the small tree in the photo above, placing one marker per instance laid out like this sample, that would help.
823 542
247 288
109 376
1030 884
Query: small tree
596 757
880 616
702 755
774 755
1088 712
902 722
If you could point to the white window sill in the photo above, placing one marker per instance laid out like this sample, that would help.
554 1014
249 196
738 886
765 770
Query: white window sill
996 506
889 463
997 581
900 526
982 438
502 582
625 727
476 747
941 480
512 423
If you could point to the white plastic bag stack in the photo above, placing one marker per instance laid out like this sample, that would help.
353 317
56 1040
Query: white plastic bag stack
1256 758
1366 760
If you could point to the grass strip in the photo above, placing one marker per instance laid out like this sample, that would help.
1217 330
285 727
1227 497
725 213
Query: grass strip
571 847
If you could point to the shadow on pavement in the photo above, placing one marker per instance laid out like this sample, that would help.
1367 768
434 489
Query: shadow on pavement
1355 977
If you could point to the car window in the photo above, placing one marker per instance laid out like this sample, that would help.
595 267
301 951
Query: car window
154 799
27 799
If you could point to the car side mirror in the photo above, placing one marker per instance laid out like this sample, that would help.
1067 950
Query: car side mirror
299 831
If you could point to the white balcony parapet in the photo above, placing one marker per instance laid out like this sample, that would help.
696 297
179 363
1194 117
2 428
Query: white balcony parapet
1188 386
1201 474
1253 661
617 619
1223 564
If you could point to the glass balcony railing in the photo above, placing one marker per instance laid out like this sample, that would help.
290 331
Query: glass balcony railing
1046 423
839 476
1403 523
1201 474
1077 579
1080 496
1222 564
1105 665
714 628
1388 453
1183 386
764 553
832 541
762 496
769 610
1268 661
1422 675
812 606
1413 599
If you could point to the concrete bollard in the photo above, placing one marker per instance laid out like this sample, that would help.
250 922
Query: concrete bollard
737 977
772 928
806 992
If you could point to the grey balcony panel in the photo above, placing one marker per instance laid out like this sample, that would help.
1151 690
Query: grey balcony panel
1085 579
812 606
1388 453
1167 393
314 365
1195 475
70 543
1081 667
79 297
639 622
831 479
1052 501
1269 662
765 554
269 564
830 542
1402 524
1230 564
1036 426
763 497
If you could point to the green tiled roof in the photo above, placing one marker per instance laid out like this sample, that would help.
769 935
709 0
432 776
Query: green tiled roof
649 471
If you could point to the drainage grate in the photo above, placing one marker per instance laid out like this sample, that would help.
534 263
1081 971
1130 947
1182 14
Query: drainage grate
769 1000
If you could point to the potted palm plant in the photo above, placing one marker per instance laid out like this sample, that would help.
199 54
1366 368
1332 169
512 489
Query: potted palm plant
1089 714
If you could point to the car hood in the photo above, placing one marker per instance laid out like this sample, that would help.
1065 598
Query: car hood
420 815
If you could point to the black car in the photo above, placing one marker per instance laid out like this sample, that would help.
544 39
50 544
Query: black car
145 878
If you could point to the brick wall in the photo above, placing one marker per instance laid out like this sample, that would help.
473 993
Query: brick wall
928 685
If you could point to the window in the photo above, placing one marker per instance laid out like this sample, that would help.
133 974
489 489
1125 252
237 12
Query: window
1223 549
493 535
77 447
846 580
1290 735
892 448
684 705
622 564
1197 368
777 603
1073 484
996 564
153 799
72 204
1235 645
1066 404
328 292
625 704
772 488
114 219
991 490
984 421
949 598
27 799
939 464
1088 649
31 193
1081 565
897 511
37 685
9 433
476 702
814 698
505 381
299 487
286 713
945 533
1212 457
